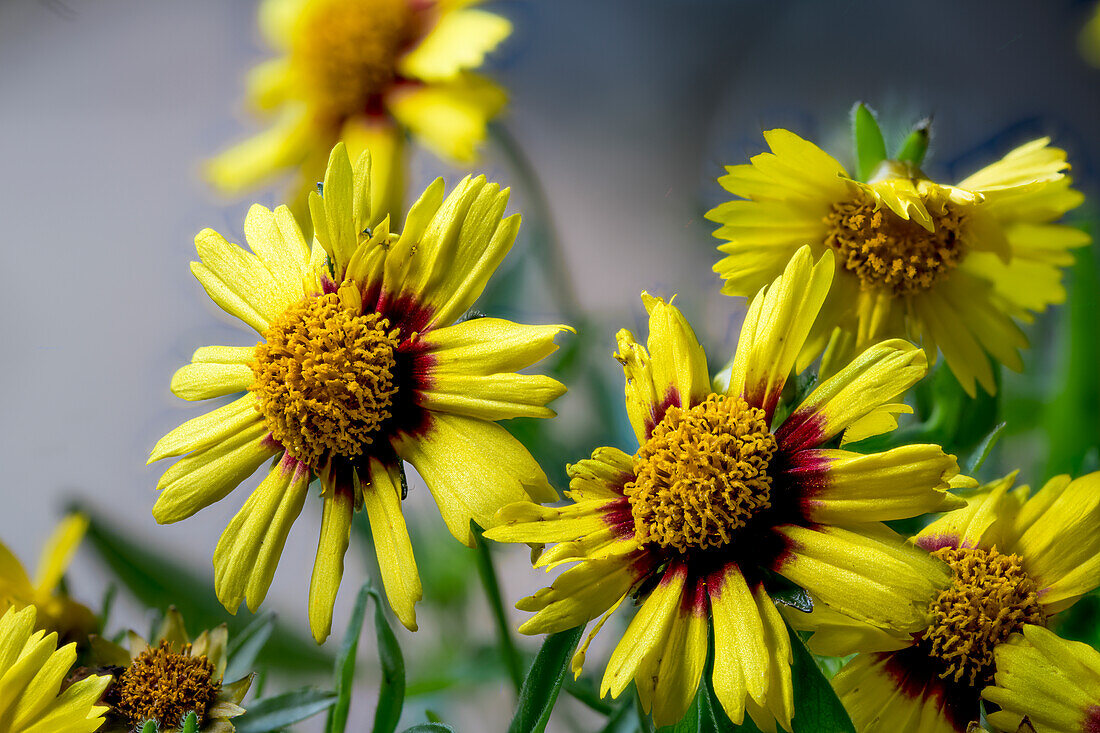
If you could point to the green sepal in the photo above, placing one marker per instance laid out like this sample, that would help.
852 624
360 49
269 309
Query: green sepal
869 143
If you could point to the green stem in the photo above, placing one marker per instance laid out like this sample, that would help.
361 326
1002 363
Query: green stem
488 575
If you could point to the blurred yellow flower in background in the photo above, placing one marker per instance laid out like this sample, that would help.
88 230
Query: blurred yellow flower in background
722 494
1090 38
368 73
1015 560
32 670
952 268
1052 682
362 366
56 610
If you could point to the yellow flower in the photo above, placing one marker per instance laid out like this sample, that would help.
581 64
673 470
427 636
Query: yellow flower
32 670
952 268
170 678
56 611
366 72
362 365
721 494
1053 682
1015 561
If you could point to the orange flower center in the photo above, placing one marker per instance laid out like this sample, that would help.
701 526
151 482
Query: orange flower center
990 598
893 254
702 474
324 378
346 51
165 686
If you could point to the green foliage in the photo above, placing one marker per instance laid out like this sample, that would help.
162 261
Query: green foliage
345 665
430 728
488 575
544 680
190 723
245 646
817 708
158 581
915 145
275 713
869 143
705 715
391 692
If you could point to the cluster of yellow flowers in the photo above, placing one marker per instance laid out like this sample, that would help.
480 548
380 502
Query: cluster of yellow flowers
364 363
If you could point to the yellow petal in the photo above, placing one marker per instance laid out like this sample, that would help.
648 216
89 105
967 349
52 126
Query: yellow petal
208 429
260 158
278 241
682 658
207 476
449 118
58 552
640 649
778 705
741 661
473 468
249 549
844 487
328 567
602 476
644 406
396 562
494 397
974 525
775 328
386 143
582 593
459 41
677 362
877 376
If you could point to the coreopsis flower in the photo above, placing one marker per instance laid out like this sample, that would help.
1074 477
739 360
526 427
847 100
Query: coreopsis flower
169 678
362 365
720 496
366 72
1015 561
1052 682
32 670
952 268
56 611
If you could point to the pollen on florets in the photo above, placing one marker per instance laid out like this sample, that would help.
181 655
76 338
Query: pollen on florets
893 254
990 598
324 379
701 475
164 685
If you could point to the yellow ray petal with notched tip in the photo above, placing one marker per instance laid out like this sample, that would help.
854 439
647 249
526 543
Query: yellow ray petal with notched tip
396 562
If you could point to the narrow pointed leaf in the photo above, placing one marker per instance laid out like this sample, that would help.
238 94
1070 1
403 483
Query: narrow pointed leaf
391 694
817 709
430 728
246 645
345 664
277 712
984 448
544 680
496 602
914 147
870 145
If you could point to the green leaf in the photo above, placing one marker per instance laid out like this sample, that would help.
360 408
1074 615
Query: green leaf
430 728
158 581
914 147
1072 418
870 145
391 692
345 664
190 723
699 718
544 681
787 593
247 644
817 708
984 448
496 603
273 713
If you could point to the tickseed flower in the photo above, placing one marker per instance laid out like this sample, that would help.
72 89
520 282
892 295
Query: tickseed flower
56 611
1015 561
32 670
173 676
1052 682
720 495
366 72
952 268
362 365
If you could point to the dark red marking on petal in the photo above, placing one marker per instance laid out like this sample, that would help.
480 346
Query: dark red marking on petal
617 515
405 311
657 413
695 599
270 442
807 474
803 429
935 542
917 675
328 285
1092 719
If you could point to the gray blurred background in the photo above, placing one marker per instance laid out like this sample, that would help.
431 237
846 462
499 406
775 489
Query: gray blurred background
627 108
